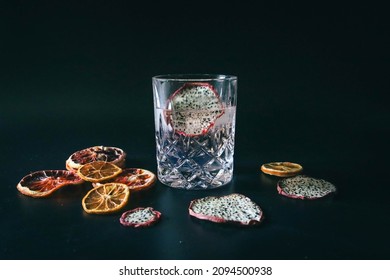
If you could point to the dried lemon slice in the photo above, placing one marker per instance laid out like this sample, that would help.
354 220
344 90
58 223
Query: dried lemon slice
98 171
106 198
282 169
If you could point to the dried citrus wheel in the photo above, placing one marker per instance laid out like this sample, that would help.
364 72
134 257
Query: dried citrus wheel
135 178
193 109
106 198
98 171
97 153
281 169
45 182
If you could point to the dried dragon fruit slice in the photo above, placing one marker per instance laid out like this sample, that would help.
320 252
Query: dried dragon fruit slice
234 208
140 217
303 187
194 108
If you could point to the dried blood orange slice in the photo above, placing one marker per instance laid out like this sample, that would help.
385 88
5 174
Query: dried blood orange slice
135 178
106 198
140 217
282 169
98 171
97 153
194 108
45 182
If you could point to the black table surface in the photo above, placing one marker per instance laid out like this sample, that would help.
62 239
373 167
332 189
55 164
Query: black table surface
312 89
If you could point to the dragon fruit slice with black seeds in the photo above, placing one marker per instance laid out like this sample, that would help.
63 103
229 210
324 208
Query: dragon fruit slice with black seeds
140 217
234 208
304 187
194 108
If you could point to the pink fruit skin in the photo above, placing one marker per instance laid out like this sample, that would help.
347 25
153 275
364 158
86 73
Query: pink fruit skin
280 191
122 220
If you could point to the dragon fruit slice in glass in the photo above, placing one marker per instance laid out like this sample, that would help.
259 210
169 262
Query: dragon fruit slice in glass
194 108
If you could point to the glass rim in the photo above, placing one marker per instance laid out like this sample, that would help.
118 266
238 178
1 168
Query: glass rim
194 77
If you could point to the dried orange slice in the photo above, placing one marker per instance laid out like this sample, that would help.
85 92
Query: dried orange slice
97 153
106 198
282 169
135 178
98 171
45 182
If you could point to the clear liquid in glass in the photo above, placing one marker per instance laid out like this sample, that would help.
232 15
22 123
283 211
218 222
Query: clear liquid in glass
195 162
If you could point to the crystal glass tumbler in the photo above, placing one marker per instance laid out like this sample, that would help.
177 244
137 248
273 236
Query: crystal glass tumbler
195 124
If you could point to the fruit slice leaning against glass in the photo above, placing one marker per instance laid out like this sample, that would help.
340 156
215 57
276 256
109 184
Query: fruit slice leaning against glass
97 153
45 182
135 178
105 199
193 109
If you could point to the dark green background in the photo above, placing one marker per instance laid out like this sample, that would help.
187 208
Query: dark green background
313 86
